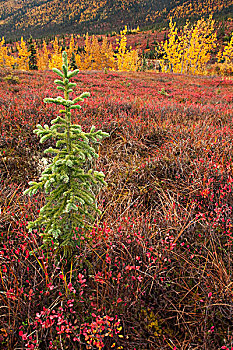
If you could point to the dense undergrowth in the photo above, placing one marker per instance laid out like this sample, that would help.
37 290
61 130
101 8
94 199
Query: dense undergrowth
156 272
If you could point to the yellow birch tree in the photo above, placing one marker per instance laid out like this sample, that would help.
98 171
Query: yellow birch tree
85 59
3 53
71 48
225 59
127 60
6 60
43 57
173 59
108 60
190 50
22 60
56 55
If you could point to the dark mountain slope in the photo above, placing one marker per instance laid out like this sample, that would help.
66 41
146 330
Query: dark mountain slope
40 17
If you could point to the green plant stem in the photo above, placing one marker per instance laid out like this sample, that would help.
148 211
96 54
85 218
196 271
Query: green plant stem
69 146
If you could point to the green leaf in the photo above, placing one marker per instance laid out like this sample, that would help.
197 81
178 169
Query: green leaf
27 191
60 143
44 138
58 120
65 178
33 191
73 73
59 82
51 150
54 232
56 126
85 94
76 128
75 107
61 88
71 85
65 70
69 163
57 71
39 126
60 161
49 100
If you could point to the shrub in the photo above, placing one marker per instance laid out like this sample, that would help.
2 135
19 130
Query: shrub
13 79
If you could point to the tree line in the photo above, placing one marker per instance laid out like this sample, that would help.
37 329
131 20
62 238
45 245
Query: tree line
192 49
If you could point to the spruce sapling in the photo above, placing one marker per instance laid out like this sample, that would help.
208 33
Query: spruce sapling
32 57
68 186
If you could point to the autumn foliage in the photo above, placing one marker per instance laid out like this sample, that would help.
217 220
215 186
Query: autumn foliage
225 59
190 50
154 269
193 49
54 16
157 270
95 55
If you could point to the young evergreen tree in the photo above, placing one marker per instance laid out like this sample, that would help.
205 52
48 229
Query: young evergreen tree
68 186
73 64
32 58
144 63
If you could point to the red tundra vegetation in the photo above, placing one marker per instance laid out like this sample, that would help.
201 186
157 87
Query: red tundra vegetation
156 271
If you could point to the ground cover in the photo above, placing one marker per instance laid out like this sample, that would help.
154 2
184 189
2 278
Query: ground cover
157 270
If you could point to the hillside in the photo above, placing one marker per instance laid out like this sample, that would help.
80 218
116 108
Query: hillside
40 17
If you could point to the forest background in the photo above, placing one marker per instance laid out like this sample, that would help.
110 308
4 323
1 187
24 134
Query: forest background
202 47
